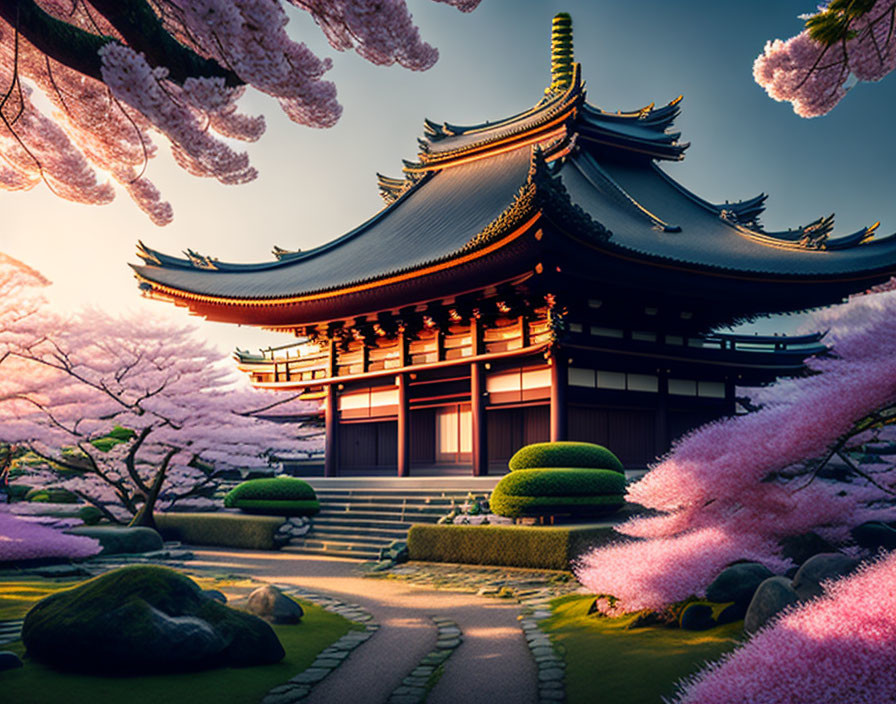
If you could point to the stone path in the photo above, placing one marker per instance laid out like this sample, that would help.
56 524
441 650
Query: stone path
495 661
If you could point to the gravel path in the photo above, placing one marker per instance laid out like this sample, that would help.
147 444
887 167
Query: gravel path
493 663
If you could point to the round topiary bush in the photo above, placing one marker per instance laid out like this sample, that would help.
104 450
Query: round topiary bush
565 454
279 496
558 491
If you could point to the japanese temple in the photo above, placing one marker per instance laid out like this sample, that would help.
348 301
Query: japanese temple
531 278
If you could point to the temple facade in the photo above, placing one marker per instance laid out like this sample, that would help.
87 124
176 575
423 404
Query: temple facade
532 278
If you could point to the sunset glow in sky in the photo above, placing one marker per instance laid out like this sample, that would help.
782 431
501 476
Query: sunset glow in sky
315 185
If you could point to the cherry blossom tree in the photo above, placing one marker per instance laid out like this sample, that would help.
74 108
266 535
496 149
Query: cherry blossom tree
131 412
735 489
21 302
116 71
847 39
838 648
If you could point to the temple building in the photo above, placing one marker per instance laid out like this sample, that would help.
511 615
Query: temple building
531 278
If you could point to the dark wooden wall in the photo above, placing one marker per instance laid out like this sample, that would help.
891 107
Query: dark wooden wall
368 445
629 433
511 428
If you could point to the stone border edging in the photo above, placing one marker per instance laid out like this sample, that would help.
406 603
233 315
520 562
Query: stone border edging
416 686
299 687
551 665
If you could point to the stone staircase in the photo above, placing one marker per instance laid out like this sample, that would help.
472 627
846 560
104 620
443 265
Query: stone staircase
357 522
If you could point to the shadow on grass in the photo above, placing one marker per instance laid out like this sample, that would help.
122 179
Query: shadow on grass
606 662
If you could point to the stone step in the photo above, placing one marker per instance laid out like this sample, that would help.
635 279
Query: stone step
336 549
383 516
366 533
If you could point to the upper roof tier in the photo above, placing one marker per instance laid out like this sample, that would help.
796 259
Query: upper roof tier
565 168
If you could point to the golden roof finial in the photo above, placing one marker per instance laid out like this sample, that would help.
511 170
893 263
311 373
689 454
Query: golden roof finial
561 53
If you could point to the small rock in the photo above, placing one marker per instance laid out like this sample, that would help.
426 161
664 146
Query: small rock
9 660
697 617
800 548
215 595
383 565
737 583
271 604
772 596
874 536
825 566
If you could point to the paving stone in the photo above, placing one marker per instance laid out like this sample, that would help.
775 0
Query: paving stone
327 662
406 699
556 684
447 644
423 671
311 675
550 674
449 632
543 650
552 695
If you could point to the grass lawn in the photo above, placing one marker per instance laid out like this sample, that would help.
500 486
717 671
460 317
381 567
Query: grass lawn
607 663
38 684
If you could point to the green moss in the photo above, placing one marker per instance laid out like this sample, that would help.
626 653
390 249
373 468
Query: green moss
223 529
565 454
541 547
542 492
603 656
106 624
39 684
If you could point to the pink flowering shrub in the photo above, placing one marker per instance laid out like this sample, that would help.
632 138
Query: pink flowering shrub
837 649
23 539
735 488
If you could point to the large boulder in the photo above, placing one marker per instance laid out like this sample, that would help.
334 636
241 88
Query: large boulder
9 660
144 619
697 617
772 596
825 566
737 583
272 605
799 548
116 540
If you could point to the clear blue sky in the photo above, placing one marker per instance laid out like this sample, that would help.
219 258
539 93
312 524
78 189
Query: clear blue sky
315 185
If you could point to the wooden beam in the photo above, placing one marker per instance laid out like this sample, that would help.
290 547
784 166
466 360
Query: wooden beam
331 417
404 434
477 404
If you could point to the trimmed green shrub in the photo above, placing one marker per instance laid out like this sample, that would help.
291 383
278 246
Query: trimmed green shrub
565 454
91 515
558 491
52 495
281 496
116 540
17 492
224 529
537 547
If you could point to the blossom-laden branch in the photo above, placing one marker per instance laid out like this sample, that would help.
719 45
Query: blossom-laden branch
119 70
812 70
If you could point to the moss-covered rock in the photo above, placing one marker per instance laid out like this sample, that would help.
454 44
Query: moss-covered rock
144 619
565 454
280 496
558 491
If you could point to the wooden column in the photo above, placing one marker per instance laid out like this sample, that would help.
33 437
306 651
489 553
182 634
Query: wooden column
559 382
404 427
661 429
331 418
478 419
